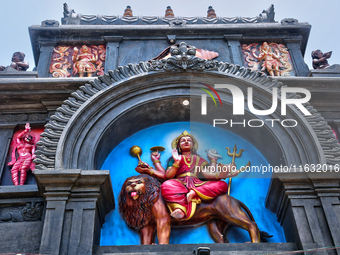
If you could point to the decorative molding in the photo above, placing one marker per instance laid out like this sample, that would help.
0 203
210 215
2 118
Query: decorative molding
168 19
30 212
191 20
177 22
149 19
50 23
73 18
129 20
23 117
182 59
88 18
109 19
289 22
331 115
209 20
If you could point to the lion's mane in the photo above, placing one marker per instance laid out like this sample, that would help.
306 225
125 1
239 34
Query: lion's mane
138 213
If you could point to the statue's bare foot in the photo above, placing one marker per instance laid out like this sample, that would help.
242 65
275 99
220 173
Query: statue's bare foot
177 214
190 195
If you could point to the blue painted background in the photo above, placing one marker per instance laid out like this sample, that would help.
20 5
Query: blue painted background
250 188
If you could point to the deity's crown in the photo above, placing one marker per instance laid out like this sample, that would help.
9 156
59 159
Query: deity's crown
174 143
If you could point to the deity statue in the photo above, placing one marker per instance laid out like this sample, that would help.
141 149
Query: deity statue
183 199
182 189
274 58
25 147
271 60
320 59
83 60
18 62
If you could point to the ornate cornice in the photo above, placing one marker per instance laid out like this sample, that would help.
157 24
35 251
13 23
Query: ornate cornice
73 18
182 59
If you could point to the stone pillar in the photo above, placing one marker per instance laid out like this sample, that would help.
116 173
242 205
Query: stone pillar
293 45
46 50
235 50
112 49
306 205
77 203
328 192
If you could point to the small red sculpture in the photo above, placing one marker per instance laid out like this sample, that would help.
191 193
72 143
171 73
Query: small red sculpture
320 59
211 12
169 12
25 147
128 12
18 62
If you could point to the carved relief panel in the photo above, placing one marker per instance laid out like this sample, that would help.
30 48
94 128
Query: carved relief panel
270 58
78 61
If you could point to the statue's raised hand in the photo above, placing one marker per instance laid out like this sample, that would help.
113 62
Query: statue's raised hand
175 155
155 156
27 127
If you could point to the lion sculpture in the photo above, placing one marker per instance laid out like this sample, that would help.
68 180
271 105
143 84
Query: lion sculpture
143 209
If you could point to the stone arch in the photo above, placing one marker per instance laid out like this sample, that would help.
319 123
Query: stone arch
93 120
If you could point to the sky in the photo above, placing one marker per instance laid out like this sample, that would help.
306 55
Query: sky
16 16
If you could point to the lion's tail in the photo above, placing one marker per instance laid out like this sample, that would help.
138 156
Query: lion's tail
263 234
246 209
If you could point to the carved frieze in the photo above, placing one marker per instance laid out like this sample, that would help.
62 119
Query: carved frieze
8 118
271 58
30 212
78 61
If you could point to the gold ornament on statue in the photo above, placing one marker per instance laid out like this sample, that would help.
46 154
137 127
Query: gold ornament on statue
234 155
157 148
136 151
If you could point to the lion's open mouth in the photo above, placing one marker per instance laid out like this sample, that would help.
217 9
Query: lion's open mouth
135 193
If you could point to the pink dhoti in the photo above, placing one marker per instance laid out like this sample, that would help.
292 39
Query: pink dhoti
22 164
175 191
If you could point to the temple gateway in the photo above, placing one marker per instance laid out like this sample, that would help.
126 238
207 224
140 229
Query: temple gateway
164 134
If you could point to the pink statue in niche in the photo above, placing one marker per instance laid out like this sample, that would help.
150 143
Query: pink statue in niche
25 147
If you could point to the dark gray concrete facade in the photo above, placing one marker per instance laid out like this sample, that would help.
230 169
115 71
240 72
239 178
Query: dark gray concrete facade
85 118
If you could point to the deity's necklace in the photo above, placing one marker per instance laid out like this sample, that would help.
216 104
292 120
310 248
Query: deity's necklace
189 159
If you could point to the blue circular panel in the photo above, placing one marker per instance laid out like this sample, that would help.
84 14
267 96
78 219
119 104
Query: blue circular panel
250 188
